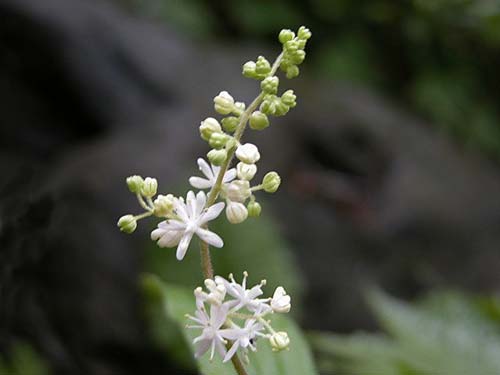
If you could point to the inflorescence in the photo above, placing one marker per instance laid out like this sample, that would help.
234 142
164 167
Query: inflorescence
230 189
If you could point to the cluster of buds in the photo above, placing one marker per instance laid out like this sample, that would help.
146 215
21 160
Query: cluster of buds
229 312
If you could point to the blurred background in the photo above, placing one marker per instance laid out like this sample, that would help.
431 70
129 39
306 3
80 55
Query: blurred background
390 166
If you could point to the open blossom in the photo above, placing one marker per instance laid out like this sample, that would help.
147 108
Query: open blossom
242 337
244 297
191 216
211 335
211 173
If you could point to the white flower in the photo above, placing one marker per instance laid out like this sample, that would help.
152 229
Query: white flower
248 153
224 103
279 341
216 295
244 297
242 337
211 173
280 302
211 337
246 171
236 212
238 191
191 217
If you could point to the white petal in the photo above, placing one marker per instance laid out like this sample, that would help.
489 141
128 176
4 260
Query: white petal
200 183
212 213
231 351
230 175
170 239
201 199
157 233
205 168
172 225
231 333
202 348
183 245
181 210
210 237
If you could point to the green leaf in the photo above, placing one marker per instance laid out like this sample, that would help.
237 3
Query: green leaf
176 301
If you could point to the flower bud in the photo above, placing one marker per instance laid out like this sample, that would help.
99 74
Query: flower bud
217 292
248 153
236 212
291 46
218 140
135 183
304 33
230 123
239 108
150 187
281 302
271 182
298 57
246 171
258 120
270 85
268 106
224 103
208 127
292 71
254 209
238 191
289 98
286 35
163 205
127 223
217 157
279 341
281 108
249 69
262 66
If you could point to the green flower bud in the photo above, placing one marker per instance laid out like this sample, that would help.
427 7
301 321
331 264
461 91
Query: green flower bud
163 205
281 108
254 209
302 43
217 157
135 183
249 69
224 103
218 140
271 182
239 108
208 127
150 187
262 66
304 33
230 123
268 106
270 85
285 64
291 46
289 98
286 35
298 57
292 71
127 224
258 120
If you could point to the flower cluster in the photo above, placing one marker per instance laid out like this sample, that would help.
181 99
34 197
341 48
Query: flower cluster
228 310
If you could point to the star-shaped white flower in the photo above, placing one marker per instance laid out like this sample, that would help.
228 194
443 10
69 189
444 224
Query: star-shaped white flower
211 173
242 337
191 217
244 297
211 336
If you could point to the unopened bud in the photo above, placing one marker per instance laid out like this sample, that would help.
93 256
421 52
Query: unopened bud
249 69
298 57
238 191
236 212
281 108
127 223
230 123
217 157
289 98
304 33
246 171
258 120
291 46
150 187
279 341
248 153
281 302
254 209
224 103
262 66
239 108
135 183
208 127
163 205
292 71
218 140
286 35
271 182
270 85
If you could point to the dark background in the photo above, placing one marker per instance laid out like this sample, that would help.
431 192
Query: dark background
389 162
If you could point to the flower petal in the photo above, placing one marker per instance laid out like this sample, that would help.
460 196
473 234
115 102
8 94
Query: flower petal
212 212
230 175
181 210
201 199
170 238
183 245
157 233
205 168
210 237
231 351
202 347
200 183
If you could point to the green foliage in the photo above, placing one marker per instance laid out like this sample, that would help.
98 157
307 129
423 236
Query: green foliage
23 360
256 247
447 333
169 304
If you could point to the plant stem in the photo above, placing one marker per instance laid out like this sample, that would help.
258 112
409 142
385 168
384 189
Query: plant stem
206 261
